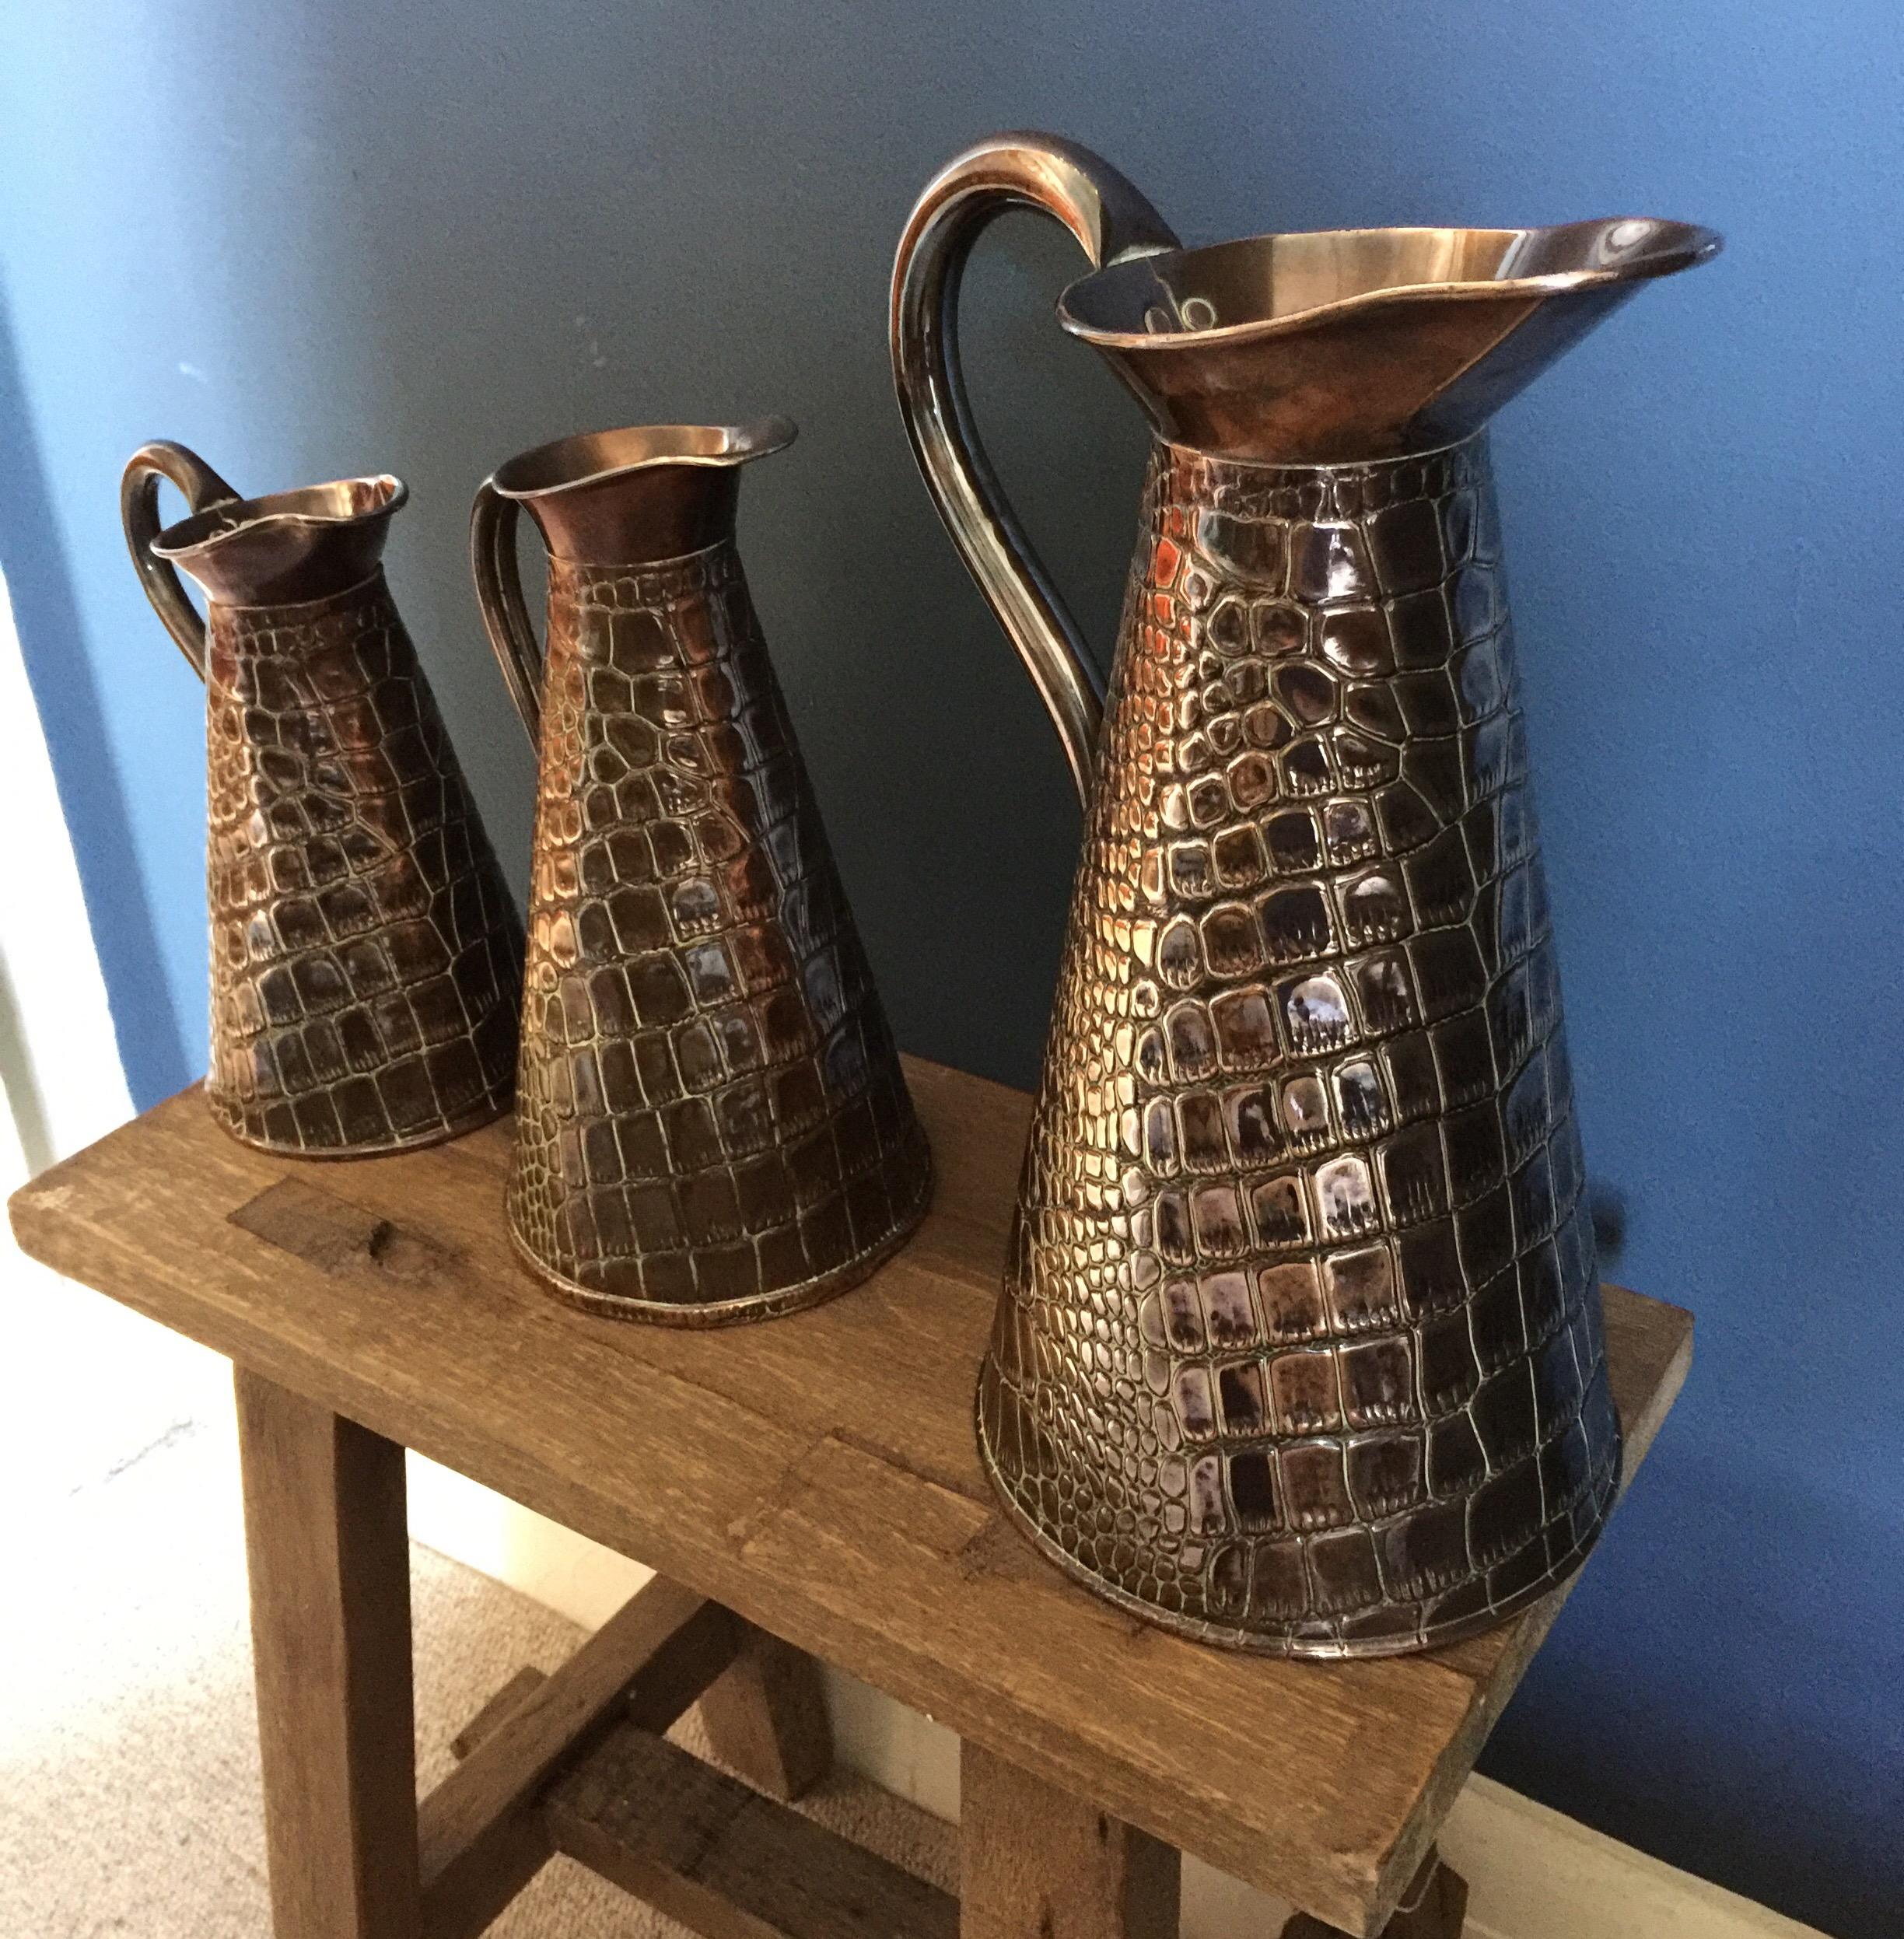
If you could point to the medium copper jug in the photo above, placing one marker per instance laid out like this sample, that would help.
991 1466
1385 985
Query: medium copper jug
366 954
1300 1347
712 1123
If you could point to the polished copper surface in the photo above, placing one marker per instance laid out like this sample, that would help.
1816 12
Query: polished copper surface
711 1125
365 955
1111 221
1351 345
1299 1349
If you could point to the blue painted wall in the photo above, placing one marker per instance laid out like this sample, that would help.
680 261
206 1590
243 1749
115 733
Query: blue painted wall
315 239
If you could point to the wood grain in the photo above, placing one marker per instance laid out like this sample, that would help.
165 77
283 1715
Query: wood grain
704 1848
523 1684
766 1715
816 1474
1435 1906
725 1860
330 1562
1035 1863
647 1664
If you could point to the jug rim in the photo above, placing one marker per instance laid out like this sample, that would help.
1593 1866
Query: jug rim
1584 256
591 457
341 502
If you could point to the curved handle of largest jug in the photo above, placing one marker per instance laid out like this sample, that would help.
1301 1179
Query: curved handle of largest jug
1111 221
139 513
506 613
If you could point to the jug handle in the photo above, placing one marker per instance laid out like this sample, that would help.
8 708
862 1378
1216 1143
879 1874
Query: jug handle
138 512
1111 221
506 614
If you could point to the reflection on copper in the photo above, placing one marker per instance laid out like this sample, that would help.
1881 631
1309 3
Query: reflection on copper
1299 1349
711 1123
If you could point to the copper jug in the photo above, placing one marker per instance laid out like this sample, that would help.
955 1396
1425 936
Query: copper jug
711 1125
1300 1347
365 953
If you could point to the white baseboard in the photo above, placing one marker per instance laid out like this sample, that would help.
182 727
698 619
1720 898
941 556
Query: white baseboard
1531 1873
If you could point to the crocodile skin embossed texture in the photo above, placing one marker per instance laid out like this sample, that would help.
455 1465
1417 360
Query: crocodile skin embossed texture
365 955
711 1123
1300 1349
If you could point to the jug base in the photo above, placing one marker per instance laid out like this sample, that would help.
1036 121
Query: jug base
1309 1643
755 1305
440 1133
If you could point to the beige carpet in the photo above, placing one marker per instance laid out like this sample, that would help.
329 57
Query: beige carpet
128 1753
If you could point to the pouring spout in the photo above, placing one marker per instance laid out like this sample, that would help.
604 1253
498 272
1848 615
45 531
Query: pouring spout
1347 345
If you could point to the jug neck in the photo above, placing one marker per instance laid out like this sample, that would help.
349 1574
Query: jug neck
639 495
640 518
289 548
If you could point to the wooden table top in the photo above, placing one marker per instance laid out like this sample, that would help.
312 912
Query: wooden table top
817 1473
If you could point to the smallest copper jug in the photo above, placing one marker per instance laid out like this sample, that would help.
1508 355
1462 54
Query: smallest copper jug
712 1123
365 953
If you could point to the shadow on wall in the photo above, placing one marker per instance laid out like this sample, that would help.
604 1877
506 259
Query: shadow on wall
33 564
1692 1779
655 292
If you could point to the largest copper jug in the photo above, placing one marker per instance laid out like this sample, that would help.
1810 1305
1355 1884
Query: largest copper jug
1300 1346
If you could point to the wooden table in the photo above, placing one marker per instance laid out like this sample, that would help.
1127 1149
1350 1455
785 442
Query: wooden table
807 1488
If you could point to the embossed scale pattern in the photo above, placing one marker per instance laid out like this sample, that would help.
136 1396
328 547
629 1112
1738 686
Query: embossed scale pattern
365 955
1300 1348
712 1121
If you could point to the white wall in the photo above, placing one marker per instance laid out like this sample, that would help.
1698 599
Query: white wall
59 1063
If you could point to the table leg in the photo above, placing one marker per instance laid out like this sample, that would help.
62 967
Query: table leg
326 1534
1036 1862
766 1716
